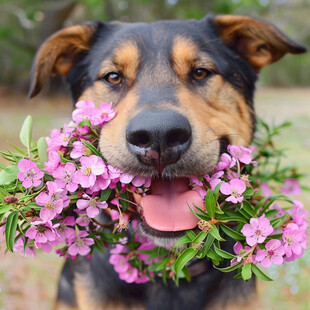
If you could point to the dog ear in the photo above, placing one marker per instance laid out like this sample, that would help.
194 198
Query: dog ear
257 41
59 53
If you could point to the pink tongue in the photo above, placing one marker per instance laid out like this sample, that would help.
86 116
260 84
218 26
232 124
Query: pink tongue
167 210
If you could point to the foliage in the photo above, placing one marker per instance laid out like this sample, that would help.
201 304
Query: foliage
59 205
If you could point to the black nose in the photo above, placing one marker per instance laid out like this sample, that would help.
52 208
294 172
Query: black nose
158 137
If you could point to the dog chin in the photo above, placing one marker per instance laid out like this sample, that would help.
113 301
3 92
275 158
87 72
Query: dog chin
164 239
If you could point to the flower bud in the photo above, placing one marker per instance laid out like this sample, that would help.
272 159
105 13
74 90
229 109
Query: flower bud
10 199
204 226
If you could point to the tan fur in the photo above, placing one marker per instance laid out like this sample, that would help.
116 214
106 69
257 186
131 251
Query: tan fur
113 135
185 57
125 59
257 41
59 53
62 306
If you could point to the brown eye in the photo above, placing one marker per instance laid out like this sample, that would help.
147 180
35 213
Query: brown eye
201 73
113 78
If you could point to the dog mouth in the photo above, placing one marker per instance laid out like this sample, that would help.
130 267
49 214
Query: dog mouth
166 206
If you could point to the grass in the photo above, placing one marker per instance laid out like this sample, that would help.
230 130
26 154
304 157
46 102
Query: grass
31 284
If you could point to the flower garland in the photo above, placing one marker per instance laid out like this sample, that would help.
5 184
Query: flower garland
53 195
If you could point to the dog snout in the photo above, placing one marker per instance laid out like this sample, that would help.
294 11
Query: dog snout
158 137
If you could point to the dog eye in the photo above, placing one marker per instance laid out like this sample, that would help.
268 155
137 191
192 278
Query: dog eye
201 73
113 78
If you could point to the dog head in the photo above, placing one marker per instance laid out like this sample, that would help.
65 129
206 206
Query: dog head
183 90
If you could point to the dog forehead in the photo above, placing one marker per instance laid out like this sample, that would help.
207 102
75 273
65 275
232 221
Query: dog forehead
153 42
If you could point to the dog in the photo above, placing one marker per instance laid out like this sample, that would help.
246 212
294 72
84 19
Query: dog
183 91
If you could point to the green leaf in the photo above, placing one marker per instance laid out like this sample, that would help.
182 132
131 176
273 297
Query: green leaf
217 189
5 208
18 149
160 265
232 233
249 192
259 273
105 194
215 258
42 151
215 233
276 236
230 268
9 175
223 253
207 245
25 134
190 234
10 229
98 243
183 258
271 213
210 203
279 221
86 122
183 240
154 253
200 237
124 203
92 148
234 218
246 272
248 208
260 204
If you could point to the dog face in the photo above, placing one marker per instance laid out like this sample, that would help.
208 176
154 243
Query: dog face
182 90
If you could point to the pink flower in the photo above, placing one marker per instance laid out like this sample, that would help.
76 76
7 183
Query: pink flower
239 250
53 202
106 112
27 251
42 231
115 215
291 187
78 149
29 174
53 162
83 219
86 110
241 153
266 191
277 207
257 231
64 177
64 230
273 253
226 162
91 205
197 185
214 179
80 244
122 266
299 214
91 167
294 240
234 188
139 181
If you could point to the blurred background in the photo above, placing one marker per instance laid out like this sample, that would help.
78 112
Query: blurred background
283 95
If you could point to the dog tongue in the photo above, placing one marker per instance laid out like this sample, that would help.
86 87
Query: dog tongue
167 210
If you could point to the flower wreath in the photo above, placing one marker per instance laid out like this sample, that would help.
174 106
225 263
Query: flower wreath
52 195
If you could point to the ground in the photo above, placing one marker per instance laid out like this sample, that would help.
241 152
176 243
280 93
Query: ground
31 284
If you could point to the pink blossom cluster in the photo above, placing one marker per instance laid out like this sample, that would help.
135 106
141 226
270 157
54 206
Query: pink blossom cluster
120 259
293 240
235 185
69 187
78 175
